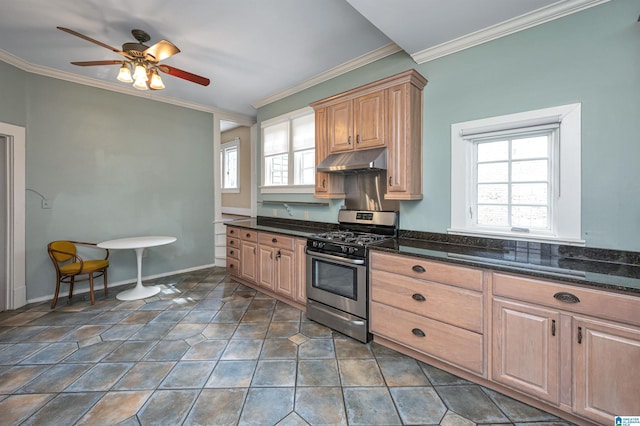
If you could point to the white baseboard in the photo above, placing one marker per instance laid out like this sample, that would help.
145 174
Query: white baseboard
98 283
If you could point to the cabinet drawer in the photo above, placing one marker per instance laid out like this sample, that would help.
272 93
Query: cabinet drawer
450 344
233 266
453 305
276 240
233 232
249 235
233 252
233 242
427 270
598 303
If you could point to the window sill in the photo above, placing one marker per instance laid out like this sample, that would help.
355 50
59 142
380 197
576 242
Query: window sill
532 238
298 189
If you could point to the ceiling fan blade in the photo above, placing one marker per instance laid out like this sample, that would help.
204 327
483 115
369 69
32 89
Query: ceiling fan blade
99 43
161 51
93 63
184 75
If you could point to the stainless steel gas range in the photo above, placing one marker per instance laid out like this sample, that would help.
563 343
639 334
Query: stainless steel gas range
337 270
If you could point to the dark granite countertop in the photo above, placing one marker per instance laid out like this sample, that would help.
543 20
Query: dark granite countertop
613 270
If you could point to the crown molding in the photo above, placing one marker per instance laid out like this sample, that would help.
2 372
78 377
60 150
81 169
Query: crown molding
116 87
367 58
537 17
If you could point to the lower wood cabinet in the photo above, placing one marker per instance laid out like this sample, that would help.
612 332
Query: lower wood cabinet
606 369
270 262
526 348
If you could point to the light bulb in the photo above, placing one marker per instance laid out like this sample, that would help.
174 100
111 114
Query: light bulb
140 73
156 81
125 74
141 83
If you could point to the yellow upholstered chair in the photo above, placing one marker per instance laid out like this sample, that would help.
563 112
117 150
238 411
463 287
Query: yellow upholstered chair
69 265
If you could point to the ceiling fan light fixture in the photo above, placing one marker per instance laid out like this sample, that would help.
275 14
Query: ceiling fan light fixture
125 74
156 81
140 84
140 73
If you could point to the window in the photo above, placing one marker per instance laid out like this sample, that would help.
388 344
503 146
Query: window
288 148
230 165
518 176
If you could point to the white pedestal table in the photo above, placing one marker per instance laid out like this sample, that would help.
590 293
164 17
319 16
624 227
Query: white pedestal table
138 244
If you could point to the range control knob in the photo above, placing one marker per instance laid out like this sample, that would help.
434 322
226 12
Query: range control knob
352 250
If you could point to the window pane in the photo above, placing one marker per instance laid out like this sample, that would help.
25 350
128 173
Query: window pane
494 194
303 129
529 217
493 151
232 168
527 171
493 172
493 216
276 140
276 170
535 147
304 173
529 193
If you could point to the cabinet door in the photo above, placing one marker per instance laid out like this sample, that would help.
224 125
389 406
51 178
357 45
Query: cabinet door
267 266
248 264
300 286
285 272
339 126
404 129
606 370
526 348
369 120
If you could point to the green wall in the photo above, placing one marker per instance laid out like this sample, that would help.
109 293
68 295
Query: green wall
112 166
592 57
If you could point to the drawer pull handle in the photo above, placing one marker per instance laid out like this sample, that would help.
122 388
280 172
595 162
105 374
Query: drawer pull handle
418 332
418 268
274 240
565 297
418 297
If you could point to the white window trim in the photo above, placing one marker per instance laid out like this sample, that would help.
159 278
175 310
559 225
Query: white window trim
283 189
567 226
235 142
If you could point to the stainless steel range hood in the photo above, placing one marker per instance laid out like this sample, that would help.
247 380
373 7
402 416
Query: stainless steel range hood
355 161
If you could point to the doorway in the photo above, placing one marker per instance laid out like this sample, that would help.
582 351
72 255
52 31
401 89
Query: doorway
12 217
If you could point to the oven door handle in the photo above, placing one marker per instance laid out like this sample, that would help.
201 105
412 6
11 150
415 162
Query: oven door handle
334 258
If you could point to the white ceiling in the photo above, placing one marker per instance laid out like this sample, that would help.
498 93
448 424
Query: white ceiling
254 51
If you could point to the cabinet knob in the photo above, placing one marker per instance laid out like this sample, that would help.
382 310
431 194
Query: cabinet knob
231 252
274 240
579 335
565 297
248 235
231 243
232 231
418 297
418 332
231 266
278 255
419 269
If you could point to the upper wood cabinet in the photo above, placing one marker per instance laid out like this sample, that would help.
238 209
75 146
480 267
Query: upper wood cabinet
327 185
356 123
387 112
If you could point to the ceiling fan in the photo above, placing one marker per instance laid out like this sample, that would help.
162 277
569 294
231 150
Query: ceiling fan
141 60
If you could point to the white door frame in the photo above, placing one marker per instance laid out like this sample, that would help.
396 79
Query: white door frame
16 291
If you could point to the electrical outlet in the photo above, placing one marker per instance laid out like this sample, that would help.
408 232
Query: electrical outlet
306 215
46 204
275 212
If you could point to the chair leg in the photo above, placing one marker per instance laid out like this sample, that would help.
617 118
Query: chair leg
55 296
106 292
71 283
93 300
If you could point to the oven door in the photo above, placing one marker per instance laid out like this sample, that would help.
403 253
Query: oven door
337 282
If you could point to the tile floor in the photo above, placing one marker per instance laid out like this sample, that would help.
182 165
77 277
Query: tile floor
208 350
